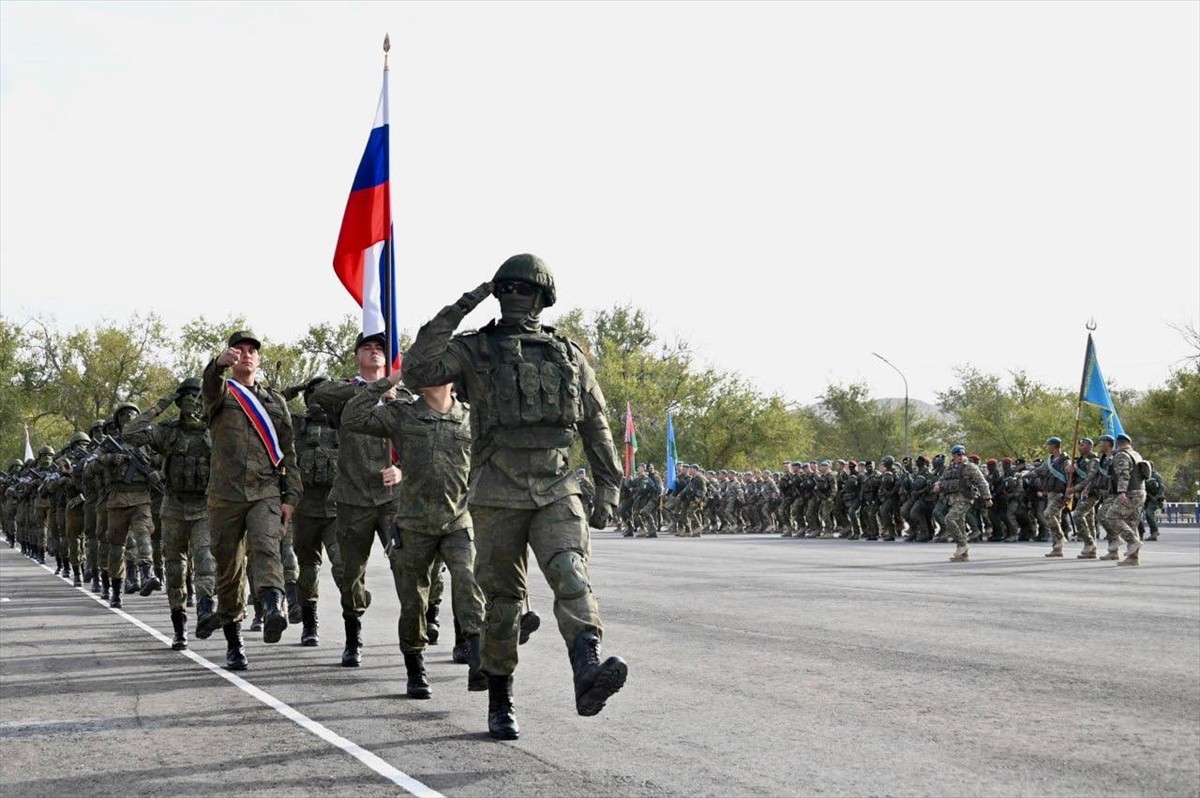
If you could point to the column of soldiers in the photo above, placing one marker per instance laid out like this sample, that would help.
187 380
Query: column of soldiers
916 500
235 492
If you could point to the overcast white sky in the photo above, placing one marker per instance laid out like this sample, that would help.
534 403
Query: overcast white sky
789 186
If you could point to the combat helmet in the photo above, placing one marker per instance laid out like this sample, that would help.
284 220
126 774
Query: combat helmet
45 451
126 406
15 466
190 384
79 437
527 268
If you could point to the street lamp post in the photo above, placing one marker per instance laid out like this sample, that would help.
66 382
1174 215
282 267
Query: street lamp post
901 373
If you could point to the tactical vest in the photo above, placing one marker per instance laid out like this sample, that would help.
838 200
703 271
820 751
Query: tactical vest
952 480
870 486
1137 479
317 455
188 461
920 482
536 390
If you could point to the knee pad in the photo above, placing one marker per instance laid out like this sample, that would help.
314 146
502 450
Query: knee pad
566 575
503 617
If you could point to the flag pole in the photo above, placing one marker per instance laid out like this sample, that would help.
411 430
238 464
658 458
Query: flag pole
388 244
1091 325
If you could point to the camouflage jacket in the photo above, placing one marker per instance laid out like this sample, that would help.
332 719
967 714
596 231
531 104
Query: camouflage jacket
240 469
520 469
361 458
434 451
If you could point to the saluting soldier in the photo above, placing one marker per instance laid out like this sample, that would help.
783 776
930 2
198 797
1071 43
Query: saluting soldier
253 488
533 394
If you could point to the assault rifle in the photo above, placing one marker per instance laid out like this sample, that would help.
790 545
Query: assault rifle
138 462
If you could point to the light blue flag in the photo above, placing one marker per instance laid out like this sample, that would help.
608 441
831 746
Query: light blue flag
670 452
1094 391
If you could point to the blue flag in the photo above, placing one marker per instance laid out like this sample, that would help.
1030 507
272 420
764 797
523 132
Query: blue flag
1094 391
670 452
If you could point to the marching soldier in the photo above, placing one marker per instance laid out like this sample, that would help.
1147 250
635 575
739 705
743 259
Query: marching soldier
961 484
533 394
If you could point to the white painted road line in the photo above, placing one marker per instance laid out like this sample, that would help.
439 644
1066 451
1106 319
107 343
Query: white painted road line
392 774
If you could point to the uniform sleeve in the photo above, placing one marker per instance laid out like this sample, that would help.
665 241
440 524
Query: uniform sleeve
333 396
212 388
1122 469
292 487
142 431
434 357
365 415
597 438
981 484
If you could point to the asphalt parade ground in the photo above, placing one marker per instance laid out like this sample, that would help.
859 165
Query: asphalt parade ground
758 666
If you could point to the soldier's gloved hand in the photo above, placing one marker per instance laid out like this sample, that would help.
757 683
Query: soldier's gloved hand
164 403
470 300
601 515
292 391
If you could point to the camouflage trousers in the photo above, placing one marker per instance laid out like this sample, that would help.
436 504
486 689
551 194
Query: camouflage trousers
559 538
1121 517
825 514
887 518
73 524
956 518
126 522
1085 518
100 531
357 529
312 535
850 508
187 544
1052 517
241 531
418 555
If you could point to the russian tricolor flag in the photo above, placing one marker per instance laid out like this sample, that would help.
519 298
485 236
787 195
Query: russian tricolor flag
365 258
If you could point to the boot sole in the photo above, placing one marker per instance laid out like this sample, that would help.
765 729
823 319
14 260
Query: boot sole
311 642
179 646
530 623
608 682
205 628
498 735
150 587
239 667
273 627
420 695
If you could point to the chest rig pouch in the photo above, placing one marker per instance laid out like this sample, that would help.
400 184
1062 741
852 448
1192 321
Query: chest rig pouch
318 456
536 386
188 460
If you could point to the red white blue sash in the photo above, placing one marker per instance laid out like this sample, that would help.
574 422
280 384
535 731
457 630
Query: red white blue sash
258 419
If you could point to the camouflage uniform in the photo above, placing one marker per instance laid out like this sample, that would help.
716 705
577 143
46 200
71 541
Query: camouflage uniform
245 493
1127 497
1053 485
431 515
961 484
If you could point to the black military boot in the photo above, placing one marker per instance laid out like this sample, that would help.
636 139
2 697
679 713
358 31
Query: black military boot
274 618
115 601
103 585
459 654
58 565
78 574
96 580
235 650
256 623
131 578
191 590
179 623
207 621
41 555
150 582
530 623
433 629
352 653
595 682
418 685
476 679
502 719
308 625
294 612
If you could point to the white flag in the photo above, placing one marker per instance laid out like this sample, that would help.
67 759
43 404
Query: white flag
28 448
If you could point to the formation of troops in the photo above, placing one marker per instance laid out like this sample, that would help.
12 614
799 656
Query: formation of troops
221 495
1108 488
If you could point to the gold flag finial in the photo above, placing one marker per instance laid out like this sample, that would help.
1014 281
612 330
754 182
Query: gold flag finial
387 46
1091 324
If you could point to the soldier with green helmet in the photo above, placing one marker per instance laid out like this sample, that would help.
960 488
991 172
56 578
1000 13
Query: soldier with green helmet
185 445
314 526
71 497
533 394
128 487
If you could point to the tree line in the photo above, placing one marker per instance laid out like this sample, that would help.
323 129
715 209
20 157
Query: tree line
59 381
